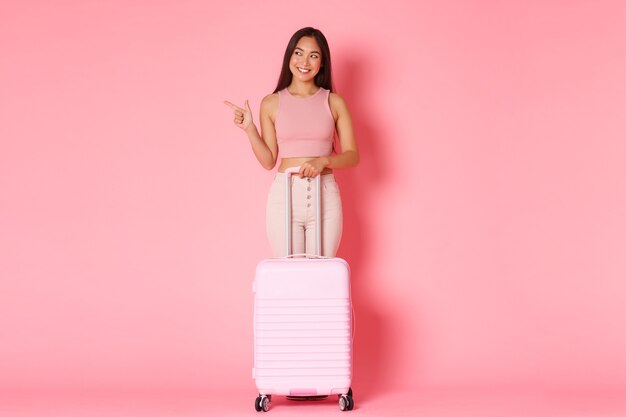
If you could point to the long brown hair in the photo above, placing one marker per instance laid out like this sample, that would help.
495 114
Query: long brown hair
323 77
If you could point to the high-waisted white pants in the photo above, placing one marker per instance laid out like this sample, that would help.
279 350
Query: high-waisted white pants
303 215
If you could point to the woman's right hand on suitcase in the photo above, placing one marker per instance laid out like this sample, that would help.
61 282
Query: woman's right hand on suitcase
243 116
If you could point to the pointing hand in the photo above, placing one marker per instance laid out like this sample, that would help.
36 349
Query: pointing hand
243 116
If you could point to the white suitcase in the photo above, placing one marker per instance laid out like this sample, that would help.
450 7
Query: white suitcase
302 324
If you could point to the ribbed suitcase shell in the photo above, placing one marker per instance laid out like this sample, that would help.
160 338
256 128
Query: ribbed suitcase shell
302 327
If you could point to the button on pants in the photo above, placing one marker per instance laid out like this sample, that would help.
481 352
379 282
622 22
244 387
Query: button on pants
303 202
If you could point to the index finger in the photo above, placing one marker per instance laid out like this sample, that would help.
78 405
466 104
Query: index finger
232 106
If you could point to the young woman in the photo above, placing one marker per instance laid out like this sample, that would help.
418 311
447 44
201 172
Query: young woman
299 123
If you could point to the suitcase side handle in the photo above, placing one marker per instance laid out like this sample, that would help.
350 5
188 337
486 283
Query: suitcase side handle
318 208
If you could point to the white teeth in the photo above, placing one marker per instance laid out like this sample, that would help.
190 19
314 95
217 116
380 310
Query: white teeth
304 70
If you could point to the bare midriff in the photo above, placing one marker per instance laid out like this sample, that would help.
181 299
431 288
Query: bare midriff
296 162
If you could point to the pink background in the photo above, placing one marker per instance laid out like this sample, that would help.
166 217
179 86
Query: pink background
485 226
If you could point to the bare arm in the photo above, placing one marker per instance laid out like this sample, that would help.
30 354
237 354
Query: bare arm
264 147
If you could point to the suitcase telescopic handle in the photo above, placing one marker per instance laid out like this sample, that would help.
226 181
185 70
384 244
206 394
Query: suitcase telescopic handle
318 205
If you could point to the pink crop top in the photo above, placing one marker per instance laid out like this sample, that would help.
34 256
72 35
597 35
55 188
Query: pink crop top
304 126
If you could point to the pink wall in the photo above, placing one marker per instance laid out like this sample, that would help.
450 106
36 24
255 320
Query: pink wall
485 224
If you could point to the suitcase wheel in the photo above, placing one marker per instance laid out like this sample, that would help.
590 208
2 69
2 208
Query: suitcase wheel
346 403
262 403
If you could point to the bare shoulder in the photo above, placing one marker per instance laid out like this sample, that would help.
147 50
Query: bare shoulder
270 100
338 106
336 100
269 105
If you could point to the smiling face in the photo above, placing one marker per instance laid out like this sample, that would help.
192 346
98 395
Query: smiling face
306 59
